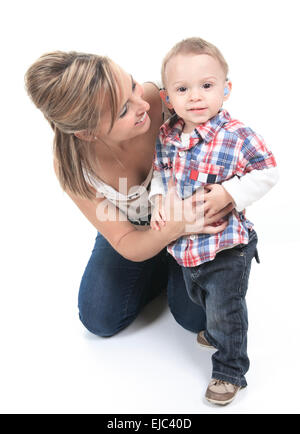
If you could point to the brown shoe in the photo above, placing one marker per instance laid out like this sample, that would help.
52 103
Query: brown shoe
201 339
220 392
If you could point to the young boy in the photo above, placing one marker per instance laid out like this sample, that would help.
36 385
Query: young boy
198 146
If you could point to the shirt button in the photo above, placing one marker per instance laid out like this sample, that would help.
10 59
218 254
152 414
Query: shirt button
193 237
181 154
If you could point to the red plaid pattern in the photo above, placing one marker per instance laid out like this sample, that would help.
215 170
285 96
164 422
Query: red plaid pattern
218 150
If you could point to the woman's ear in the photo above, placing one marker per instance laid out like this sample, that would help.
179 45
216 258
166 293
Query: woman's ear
84 135
165 97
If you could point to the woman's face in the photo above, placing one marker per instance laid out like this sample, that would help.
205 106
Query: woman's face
132 119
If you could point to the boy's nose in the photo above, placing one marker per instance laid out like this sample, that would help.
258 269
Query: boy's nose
196 94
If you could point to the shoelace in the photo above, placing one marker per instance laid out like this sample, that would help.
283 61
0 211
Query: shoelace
227 386
217 382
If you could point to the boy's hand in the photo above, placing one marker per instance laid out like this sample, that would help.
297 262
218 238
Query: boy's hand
215 198
158 217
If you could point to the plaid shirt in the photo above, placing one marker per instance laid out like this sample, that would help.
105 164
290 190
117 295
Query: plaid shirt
218 150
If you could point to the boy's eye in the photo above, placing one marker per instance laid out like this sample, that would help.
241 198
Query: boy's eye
181 89
207 85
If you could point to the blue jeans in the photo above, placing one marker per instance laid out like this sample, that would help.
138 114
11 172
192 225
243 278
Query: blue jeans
114 290
220 287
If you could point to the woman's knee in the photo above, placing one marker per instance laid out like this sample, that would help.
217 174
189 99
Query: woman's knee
99 328
97 292
113 290
194 323
98 312
100 323
186 313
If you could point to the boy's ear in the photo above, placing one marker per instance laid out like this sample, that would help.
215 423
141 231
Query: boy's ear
227 90
164 96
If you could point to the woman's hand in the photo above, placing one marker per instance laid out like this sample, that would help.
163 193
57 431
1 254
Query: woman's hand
187 216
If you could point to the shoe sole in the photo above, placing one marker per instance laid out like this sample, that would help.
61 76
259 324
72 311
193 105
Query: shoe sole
213 401
208 347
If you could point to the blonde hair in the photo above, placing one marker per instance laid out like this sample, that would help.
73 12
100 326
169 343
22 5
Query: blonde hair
194 46
70 88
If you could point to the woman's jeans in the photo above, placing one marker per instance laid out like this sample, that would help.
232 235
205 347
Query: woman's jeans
220 287
114 290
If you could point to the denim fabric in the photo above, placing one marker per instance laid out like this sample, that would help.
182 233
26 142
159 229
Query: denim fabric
220 287
114 290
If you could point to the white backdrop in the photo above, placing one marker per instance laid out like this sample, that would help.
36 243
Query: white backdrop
49 363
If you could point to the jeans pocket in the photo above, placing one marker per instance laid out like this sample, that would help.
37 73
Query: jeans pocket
238 250
243 249
251 248
250 251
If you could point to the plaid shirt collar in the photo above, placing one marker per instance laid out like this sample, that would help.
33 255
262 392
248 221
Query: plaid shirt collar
204 132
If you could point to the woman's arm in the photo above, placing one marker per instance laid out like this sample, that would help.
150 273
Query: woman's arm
133 244
137 245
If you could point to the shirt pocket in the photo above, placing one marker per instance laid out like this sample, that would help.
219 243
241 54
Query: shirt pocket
205 173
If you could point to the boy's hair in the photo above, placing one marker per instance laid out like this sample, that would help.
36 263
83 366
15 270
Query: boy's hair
194 46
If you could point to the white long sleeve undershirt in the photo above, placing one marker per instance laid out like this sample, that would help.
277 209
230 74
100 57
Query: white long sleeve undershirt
251 187
244 191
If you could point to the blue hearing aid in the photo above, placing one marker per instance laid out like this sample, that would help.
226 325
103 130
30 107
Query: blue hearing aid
226 91
167 99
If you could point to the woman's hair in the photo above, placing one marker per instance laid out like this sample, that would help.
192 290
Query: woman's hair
194 46
70 89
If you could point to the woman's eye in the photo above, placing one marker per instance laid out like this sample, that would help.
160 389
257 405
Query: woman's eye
181 89
124 111
125 108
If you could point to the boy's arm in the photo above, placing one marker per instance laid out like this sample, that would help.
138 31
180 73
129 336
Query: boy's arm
157 187
159 182
162 170
257 170
251 187
256 174
156 194
158 216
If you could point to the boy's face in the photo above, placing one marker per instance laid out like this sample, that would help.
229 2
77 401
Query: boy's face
195 86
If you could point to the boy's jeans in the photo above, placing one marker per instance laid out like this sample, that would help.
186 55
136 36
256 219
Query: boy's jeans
220 286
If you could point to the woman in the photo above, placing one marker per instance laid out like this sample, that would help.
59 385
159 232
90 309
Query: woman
105 127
